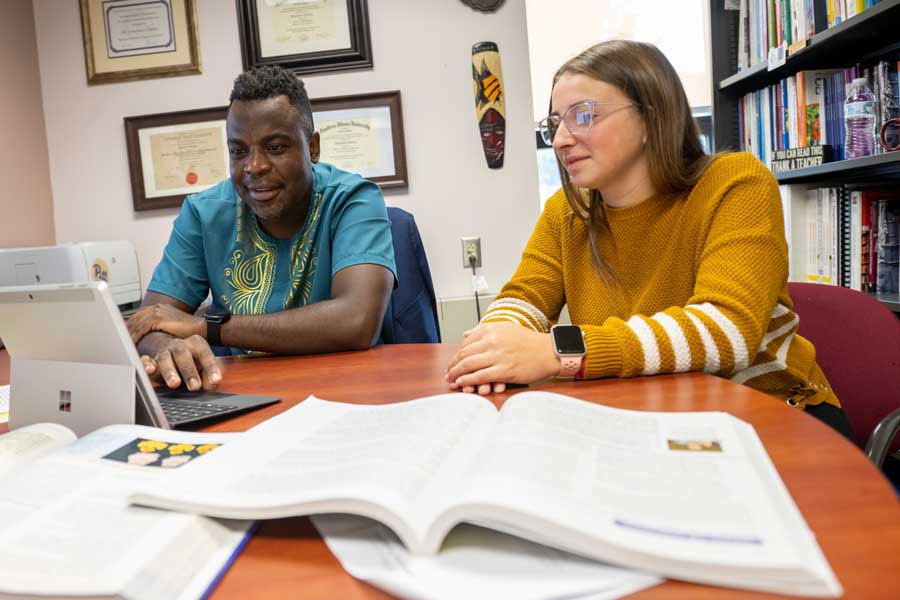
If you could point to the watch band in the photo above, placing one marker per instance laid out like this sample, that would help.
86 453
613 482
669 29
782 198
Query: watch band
213 332
570 365
214 321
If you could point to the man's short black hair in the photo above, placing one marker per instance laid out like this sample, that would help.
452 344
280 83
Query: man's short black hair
270 81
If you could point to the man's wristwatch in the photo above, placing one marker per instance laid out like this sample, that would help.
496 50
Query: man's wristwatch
568 344
215 318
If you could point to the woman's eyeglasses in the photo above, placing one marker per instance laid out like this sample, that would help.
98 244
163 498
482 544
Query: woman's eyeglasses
579 118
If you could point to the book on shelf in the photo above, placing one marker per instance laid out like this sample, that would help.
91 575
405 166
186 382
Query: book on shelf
692 496
887 246
766 24
67 529
807 109
843 237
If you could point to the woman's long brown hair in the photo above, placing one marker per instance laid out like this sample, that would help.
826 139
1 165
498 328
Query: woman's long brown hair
674 152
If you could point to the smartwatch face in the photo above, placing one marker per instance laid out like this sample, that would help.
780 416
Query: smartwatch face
568 339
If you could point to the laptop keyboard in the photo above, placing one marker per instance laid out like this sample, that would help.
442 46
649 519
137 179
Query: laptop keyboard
179 411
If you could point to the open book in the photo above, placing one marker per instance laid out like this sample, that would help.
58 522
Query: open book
67 529
692 496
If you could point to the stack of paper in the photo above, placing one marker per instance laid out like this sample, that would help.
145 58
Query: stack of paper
473 563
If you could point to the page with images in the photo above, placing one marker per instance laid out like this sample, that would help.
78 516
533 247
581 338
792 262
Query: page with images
677 493
29 442
67 513
473 563
320 456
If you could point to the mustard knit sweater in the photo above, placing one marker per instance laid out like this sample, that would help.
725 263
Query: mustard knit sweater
703 286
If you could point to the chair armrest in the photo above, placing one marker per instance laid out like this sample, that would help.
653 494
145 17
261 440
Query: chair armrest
881 438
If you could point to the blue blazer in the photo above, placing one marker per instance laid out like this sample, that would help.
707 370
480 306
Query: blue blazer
411 316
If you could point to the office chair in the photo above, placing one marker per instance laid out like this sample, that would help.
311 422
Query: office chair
411 316
857 342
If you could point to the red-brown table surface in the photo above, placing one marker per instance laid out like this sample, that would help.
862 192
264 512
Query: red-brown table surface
852 509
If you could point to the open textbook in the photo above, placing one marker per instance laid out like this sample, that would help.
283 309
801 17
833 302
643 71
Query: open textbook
67 529
692 496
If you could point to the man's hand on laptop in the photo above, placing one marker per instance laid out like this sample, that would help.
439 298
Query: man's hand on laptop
190 360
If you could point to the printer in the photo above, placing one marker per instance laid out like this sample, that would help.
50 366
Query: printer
113 262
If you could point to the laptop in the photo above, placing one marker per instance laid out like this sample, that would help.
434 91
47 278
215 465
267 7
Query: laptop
72 362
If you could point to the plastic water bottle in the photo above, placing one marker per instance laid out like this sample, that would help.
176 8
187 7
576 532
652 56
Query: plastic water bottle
859 120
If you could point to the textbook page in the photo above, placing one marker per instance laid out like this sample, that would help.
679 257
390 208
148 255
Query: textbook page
67 514
376 461
31 441
4 403
474 563
688 495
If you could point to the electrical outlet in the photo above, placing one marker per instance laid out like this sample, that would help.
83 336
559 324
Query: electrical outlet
471 246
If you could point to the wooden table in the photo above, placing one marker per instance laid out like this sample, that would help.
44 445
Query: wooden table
845 500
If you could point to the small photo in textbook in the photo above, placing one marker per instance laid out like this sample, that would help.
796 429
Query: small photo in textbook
142 452
695 445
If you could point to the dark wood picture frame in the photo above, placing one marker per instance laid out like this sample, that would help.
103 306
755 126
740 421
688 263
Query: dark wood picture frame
90 29
358 56
133 126
391 99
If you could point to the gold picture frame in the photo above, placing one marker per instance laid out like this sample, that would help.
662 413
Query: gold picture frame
127 40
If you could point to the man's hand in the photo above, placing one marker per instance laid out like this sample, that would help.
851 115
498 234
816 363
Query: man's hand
191 360
494 354
165 318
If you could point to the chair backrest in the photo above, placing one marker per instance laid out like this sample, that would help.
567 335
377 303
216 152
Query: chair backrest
857 342
411 316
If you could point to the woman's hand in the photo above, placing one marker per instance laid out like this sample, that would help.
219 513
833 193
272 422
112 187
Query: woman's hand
494 354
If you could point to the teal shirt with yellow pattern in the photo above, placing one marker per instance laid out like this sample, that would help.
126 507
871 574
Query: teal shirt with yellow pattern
218 248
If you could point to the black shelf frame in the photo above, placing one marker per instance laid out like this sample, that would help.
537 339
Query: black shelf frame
867 171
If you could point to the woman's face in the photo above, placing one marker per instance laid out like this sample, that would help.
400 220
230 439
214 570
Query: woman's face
611 152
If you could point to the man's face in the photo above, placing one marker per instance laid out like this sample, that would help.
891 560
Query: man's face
271 159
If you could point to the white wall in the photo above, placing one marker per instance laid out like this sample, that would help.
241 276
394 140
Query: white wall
26 207
421 47
559 30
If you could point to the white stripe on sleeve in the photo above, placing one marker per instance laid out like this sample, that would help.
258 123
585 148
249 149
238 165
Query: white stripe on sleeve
677 338
709 344
734 335
648 343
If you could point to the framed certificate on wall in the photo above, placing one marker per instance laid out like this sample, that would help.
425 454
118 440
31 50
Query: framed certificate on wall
171 155
306 36
363 134
126 40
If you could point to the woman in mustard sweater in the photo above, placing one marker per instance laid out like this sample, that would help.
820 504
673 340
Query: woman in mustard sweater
669 259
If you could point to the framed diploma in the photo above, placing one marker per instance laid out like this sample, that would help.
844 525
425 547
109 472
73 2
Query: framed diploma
363 134
171 155
306 36
139 39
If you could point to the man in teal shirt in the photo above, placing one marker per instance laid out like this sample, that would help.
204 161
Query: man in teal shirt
296 255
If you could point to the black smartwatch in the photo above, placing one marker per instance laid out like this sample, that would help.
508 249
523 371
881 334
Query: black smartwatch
215 318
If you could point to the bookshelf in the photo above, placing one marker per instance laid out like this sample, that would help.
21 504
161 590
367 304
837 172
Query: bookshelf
864 38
